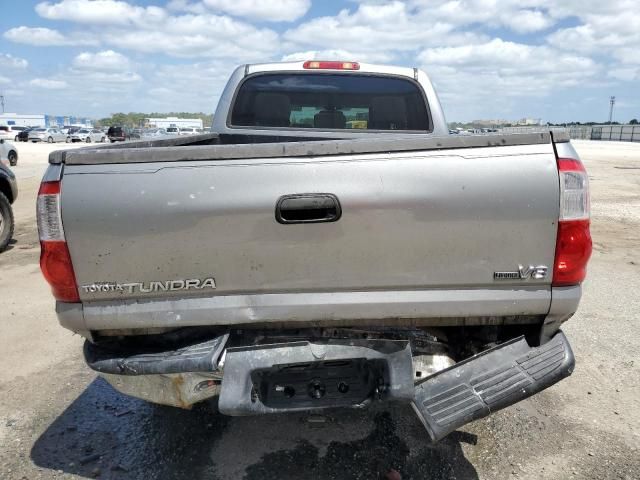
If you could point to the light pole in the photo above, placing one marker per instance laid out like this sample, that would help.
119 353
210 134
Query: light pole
612 102
2 102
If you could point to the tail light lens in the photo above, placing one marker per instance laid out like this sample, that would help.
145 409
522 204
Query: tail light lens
55 260
573 243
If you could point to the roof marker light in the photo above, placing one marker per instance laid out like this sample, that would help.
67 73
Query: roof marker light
324 65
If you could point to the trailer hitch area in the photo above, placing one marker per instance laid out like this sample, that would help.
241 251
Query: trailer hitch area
307 375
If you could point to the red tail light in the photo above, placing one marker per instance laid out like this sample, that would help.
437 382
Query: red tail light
573 243
323 65
55 260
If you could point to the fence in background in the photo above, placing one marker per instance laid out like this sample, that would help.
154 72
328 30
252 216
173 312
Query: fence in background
623 133
620 133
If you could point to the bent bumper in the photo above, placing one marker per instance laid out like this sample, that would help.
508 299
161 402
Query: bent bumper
490 381
261 379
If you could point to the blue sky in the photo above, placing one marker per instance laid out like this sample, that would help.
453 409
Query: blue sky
501 59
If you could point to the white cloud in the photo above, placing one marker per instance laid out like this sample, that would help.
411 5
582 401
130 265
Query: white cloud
204 36
500 72
105 60
186 6
627 55
604 27
4 80
9 61
378 28
104 79
45 37
625 74
191 87
152 30
101 12
48 84
280 11
36 36
527 21
522 16
508 58
337 55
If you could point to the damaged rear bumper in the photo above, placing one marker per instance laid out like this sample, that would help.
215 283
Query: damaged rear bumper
306 375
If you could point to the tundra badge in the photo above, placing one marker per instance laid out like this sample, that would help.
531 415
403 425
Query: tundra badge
523 273
150 287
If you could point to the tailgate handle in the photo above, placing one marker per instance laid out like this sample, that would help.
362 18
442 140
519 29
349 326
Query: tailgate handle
308 208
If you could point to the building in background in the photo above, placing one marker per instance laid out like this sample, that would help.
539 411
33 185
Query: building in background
173 122
68 121
528 121
22 120
43 120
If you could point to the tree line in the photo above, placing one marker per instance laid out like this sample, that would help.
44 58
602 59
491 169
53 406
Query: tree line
633 121
137 119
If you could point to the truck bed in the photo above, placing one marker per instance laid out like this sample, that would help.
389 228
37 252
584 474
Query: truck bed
246 146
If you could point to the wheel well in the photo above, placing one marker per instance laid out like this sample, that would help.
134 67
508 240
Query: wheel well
6 189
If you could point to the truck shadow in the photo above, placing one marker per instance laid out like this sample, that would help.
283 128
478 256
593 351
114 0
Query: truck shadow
107 435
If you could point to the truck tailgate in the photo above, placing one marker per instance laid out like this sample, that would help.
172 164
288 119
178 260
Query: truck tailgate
444 219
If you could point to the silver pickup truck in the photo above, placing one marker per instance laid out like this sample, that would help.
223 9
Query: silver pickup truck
330 245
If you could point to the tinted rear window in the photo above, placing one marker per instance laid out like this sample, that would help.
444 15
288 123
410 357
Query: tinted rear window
330 101
4 129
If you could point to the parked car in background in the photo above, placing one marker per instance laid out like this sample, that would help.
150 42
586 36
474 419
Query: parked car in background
70 130
117 134
23 136
8 195
190 131
8 153
154 133
50 135
173 131
10 132
88 135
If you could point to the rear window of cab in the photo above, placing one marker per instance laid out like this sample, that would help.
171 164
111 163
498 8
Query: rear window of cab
330 101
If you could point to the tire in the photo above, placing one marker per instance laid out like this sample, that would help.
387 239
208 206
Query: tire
50 140
6 222
68 140
13 158
88 140
16 139
103 139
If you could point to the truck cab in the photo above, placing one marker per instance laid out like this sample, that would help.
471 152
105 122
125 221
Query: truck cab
330 100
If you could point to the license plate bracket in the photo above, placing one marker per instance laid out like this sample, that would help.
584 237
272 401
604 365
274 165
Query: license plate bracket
335 383
255 377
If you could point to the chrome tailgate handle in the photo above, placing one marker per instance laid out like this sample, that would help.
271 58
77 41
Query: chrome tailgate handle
308 208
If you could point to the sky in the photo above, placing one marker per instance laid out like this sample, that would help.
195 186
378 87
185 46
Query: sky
558 60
